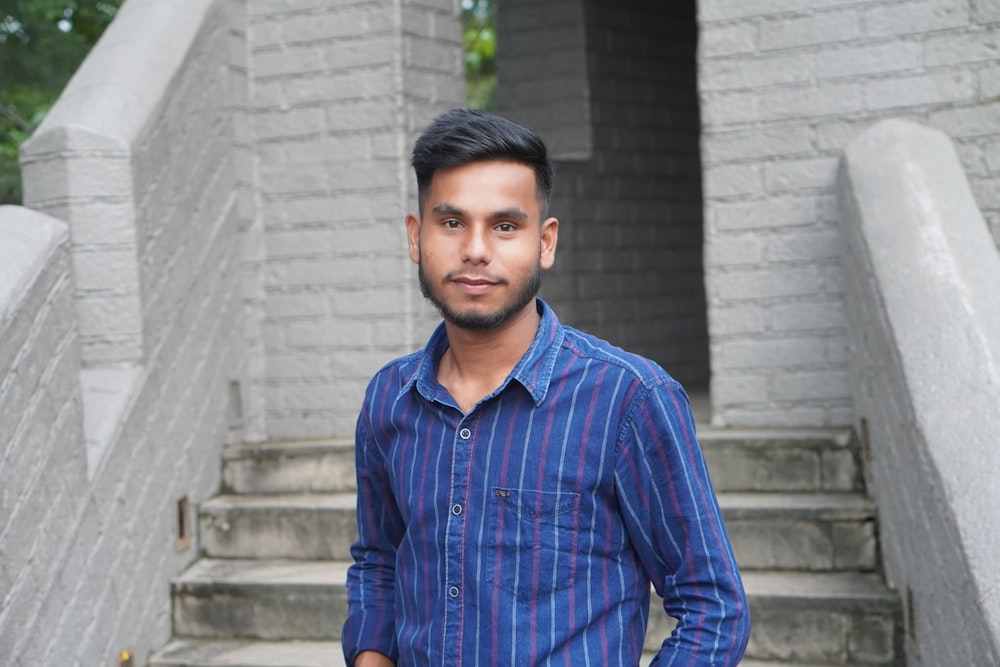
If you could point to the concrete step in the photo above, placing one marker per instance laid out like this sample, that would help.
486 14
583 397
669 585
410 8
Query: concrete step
801 531
303 526
829 618
769 460
261 599
826 618
818 619
769 531
248 653
312 466
801 460
782 663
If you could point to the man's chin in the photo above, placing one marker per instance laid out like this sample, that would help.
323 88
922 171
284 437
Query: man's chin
476 319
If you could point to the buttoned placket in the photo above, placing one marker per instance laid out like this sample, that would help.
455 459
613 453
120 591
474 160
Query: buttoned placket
455 533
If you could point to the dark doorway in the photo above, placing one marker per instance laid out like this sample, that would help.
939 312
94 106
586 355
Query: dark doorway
612 86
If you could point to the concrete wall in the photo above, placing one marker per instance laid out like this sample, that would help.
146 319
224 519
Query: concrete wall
921 277
784 87
123 352
629 263
339 91
42 456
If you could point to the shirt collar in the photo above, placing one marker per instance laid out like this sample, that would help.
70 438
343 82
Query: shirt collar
533 371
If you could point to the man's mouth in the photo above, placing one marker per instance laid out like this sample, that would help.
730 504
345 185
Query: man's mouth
474 284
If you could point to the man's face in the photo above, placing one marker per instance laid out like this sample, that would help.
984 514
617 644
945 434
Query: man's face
481 244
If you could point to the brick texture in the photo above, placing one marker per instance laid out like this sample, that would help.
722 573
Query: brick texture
339 93
785 85
628 185
158 248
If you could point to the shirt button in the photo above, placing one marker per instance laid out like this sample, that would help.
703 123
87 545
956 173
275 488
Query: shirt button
465 434
456 509
453 591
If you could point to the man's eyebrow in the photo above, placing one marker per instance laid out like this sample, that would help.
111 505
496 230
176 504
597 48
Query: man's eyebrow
444 208
512 213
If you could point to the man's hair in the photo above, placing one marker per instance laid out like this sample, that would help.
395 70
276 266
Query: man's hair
461 136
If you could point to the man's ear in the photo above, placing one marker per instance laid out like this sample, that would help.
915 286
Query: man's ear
413 236
550 237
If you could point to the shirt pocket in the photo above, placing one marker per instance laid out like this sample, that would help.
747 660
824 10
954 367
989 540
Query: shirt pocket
531 549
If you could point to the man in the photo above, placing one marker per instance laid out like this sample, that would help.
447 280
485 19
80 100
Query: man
520 483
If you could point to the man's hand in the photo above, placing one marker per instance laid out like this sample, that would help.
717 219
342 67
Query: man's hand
372 659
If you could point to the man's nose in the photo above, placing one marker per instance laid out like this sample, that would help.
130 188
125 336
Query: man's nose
476 248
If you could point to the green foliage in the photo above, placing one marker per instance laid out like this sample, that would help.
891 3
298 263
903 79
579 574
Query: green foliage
480 39
42 42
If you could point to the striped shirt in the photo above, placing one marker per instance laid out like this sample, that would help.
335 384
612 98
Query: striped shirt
528 531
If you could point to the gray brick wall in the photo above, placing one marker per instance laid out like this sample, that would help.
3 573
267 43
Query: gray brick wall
784 86
543 74
43 470
339 91
155 203
628 266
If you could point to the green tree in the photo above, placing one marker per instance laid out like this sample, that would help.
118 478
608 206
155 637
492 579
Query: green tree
42 42
480 39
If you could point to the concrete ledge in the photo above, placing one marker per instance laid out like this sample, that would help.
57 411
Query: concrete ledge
27 241
124 78
108 395
922 274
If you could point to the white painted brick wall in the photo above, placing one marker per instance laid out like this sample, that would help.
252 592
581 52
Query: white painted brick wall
42 458
784 86
628 267
87 549
339 93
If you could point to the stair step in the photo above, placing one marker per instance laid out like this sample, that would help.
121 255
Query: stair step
248 653
261 599
251 653
821 460
312 466
837 618
801 531
800 460
768 531
304 526
818 619
842 618
271 591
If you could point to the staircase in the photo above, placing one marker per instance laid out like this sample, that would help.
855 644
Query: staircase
269 588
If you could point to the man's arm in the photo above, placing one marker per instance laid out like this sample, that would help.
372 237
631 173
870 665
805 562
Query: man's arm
370 631
372 659
674 521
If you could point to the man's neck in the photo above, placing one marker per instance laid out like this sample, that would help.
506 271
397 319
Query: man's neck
478 361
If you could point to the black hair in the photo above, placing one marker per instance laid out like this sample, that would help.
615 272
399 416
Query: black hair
461 136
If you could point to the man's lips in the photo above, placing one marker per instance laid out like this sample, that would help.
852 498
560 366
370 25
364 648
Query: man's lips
474 284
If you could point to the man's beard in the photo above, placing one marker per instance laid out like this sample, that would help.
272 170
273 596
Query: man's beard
484 321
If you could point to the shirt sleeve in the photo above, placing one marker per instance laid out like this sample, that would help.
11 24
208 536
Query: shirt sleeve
371 579
673 519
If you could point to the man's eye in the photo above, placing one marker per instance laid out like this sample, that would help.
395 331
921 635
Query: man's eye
505 227
451 224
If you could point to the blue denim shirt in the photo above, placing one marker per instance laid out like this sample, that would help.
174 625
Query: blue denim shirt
528 531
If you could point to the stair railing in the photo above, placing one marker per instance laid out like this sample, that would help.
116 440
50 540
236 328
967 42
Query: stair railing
922 283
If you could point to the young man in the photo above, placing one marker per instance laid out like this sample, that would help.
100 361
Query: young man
520 483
